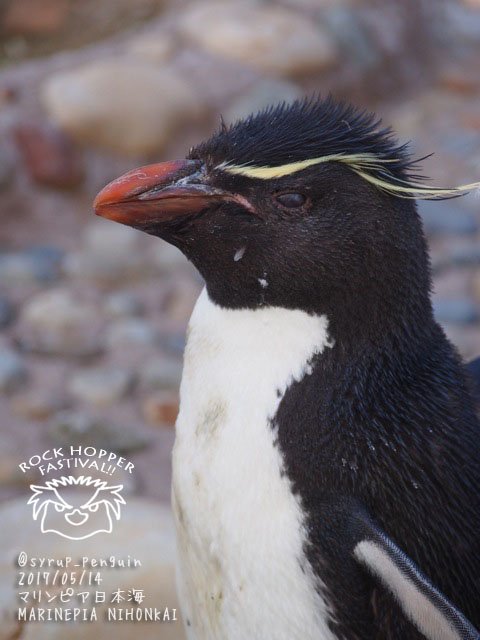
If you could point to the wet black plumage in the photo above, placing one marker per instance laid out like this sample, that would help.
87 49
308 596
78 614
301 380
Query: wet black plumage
387 417
384 427
306 129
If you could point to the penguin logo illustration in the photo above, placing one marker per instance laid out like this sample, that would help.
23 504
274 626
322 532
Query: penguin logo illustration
76 515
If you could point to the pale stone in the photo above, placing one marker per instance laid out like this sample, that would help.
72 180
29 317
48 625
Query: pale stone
55 307
162 373
145 532
102 236
166 257
271 38
60 323
106 269
100 387
13 372
154 47
29 267
131 331
180 299
109 253
122 304
476 286
120 105
6 312
81 428
456 311
11 475
37 404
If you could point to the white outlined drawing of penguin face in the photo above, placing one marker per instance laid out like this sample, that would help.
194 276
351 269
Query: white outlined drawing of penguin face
81 514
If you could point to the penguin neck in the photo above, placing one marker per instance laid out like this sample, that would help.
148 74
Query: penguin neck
370 325
399 322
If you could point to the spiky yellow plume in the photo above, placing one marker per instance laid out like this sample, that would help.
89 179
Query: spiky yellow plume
366 165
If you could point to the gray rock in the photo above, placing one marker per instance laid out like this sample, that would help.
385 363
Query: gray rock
263 94
475 285
162 373
471 200
123 303
173 342
56 322
182 293
6 169
466 256
460 142
445 218
466 338
128 105
13 372
463 24
168 258
38 404
46 253
109 253
48 261
6 312
17 268
156 47
105 269
11 476
356 43
273 39
131 331
79 428
100 387
101 236
460 311
39 264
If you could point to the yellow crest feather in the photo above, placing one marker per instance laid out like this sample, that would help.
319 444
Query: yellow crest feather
363 164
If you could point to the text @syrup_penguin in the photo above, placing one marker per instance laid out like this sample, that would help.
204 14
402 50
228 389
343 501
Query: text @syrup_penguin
71 589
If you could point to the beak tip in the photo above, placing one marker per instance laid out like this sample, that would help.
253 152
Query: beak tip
155 193
99 202
131 184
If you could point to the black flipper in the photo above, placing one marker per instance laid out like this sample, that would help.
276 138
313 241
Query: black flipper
433 615
473 368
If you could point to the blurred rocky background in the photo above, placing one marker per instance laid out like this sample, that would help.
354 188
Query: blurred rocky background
93 315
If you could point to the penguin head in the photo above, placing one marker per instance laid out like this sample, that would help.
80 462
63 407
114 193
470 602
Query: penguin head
307 206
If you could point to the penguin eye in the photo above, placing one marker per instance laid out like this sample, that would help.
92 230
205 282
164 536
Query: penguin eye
291 200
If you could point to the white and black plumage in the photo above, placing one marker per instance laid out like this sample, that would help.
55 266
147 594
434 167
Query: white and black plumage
326 470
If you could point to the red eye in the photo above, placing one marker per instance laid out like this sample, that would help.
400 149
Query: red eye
291 200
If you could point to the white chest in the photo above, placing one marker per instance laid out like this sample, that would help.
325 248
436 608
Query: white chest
240 532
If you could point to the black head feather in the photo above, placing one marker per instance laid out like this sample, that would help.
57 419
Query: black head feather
322 130
307 128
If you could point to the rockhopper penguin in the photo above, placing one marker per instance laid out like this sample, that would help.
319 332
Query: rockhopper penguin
326 468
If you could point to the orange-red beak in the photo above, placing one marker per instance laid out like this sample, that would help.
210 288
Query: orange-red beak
157 193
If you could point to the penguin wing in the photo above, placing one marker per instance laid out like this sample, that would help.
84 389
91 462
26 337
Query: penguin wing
435 617
473 368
